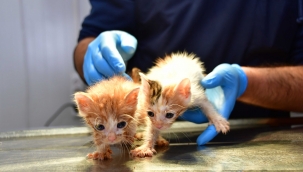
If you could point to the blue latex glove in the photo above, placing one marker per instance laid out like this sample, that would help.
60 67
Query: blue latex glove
223 86
107 54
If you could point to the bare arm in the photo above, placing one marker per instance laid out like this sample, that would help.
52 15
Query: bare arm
275 87
79 53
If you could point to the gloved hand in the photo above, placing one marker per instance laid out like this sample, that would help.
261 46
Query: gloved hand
107 54
223 86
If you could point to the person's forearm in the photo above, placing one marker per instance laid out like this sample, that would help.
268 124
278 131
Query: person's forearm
275 87
79 54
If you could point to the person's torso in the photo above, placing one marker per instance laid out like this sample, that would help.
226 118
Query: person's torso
250 32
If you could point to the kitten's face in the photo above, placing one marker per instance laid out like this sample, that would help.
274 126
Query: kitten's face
111 117
165 104
164 113
111 129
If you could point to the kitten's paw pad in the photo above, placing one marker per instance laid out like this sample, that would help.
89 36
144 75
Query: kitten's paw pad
222 125
162 143
143 152
139 136
100 156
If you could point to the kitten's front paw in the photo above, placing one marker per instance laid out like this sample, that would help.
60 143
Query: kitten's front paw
100 155
162 142
139 136
143 151
221 124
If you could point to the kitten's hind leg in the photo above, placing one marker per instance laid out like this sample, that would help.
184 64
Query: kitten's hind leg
162 142
221 124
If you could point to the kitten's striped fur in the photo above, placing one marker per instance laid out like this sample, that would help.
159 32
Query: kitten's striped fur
167 90
155 91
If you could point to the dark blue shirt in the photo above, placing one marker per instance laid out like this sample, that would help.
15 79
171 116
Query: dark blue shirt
246 32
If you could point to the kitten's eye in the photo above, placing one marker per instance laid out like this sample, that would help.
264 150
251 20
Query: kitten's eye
150 113
121 124
169 115
100 127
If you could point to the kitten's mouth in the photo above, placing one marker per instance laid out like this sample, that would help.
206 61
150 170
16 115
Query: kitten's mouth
113 141
160 127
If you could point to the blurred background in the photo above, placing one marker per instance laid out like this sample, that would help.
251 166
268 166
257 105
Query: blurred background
36 69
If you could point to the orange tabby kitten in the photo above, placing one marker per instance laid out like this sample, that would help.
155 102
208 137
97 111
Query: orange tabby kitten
108 107
168 89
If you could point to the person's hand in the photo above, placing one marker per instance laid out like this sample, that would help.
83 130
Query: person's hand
107 54
223 86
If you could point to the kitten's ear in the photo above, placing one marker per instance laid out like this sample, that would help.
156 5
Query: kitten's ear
183 89
132 97
145 87
134 74
83 102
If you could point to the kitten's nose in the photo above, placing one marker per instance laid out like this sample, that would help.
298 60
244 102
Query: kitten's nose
159 126
111 137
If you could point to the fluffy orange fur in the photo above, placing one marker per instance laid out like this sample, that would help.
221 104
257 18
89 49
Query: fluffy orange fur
108 107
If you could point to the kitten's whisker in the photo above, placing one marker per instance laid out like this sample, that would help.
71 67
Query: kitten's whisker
123 148
90 112
176 137
128 142
169 137
181 117
121 151
192 109
186 136
127 146
127 136
129 116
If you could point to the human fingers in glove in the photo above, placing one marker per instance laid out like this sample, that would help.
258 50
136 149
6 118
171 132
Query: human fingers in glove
106 55
223 86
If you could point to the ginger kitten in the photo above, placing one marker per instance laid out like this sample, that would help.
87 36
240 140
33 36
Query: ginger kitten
108 107
168 89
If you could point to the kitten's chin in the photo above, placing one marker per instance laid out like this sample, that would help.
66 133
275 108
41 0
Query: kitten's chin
119 141
113 142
